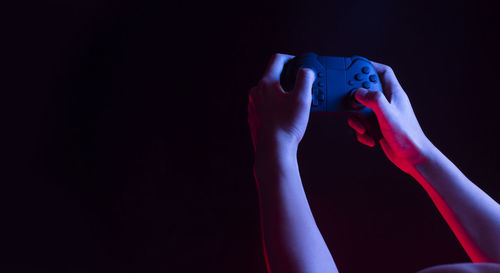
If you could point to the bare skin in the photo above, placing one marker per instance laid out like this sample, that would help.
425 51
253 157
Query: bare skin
464 268
278 120
292 241
472 215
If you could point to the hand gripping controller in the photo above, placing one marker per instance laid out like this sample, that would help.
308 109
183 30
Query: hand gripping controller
336 80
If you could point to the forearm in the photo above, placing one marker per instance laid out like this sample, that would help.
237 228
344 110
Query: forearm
472 215
292 241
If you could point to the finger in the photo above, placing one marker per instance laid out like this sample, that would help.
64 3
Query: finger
386 75
375 100
386 148
365 139
275 66
390 84
356 125
303 85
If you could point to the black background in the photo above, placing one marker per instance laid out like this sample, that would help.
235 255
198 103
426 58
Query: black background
126 147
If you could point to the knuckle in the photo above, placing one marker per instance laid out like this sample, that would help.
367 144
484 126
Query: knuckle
388 72
376 96
276 56
387 68
280 57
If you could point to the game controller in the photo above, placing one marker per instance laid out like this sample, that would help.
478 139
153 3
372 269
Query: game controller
336 80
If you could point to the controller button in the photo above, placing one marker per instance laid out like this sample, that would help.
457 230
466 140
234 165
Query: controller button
373 78
321 74
366 85
365 69
358 77
315 92
315 101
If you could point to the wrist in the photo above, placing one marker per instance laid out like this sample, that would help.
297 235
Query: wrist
276 143
275 153
427 153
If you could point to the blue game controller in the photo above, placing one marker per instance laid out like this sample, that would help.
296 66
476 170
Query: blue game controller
336 80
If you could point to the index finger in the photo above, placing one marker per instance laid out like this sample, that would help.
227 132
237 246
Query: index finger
275 66
386 75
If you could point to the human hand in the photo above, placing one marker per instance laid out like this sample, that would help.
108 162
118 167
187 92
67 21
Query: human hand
276 117
403 142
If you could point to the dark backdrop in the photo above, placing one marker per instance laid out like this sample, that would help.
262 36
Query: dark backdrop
126 147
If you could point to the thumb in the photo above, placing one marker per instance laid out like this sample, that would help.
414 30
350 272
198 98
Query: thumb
303 84
373 99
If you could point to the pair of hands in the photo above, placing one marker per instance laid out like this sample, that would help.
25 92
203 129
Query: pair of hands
276 117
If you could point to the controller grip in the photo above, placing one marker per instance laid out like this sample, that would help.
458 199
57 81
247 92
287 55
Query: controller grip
370 122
